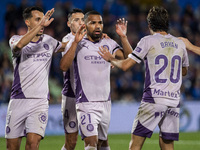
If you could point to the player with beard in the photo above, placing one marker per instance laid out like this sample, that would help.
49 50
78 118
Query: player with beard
27 113
75 20
92 77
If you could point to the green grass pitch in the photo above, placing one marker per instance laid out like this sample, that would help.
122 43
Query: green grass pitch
187 141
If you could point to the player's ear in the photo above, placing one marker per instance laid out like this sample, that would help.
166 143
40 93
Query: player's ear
68 24
27 22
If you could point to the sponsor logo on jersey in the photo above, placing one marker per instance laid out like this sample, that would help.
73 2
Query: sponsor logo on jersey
42 117
138 49
90 127
86 46
166 93
39 55
95 59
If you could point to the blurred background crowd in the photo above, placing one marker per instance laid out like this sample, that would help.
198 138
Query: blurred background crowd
126 86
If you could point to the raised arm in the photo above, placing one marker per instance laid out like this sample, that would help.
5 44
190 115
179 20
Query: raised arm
190 46
45 21
122 64
68 58
121 29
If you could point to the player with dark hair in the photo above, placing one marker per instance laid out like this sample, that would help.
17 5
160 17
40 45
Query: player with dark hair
68 108
166 60
75 20
27 113
92 76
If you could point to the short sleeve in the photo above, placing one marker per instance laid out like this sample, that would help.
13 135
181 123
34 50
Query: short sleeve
113 46
12 42
70 41
185 60
58 46
140 51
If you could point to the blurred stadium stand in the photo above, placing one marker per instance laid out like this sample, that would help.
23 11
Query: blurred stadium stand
126 87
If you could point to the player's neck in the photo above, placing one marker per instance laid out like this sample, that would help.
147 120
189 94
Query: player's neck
35 39
162 32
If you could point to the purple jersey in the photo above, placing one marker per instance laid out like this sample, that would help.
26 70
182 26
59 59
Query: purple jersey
68 76
32 66
92 72
164 56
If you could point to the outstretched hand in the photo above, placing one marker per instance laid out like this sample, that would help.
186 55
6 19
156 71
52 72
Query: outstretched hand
80 33
121 27
46 21
188 44
105 54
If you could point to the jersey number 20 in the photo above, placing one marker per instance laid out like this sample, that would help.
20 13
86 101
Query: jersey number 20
165 59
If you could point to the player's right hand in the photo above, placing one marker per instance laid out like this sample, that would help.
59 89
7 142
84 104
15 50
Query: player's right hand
121 27
80 33
105 54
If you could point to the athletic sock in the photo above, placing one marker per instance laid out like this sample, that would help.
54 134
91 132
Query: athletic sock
105 148
90 148
63 148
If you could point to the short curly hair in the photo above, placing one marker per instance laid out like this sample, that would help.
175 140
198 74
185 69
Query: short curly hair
158 19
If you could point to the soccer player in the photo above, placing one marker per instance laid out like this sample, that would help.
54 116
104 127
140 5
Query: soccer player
27 113
75 20
166 60
68 108
190 46
92 78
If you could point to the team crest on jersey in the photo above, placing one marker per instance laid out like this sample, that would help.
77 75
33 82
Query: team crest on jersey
7 129
138 49
42 117
72 124
90 127
46 46
106 46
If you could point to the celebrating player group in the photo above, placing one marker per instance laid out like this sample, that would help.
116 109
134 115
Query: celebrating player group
87 55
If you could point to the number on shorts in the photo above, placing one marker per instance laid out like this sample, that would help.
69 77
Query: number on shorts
83 117
66 115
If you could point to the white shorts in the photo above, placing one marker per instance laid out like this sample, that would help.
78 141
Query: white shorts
26 116
94 119
150 115
68 109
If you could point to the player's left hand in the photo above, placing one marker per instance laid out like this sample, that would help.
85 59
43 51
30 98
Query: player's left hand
188 44
121 27
105 54
46 19
104 35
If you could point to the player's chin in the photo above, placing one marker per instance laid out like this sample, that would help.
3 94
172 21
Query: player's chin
39 34
99 35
